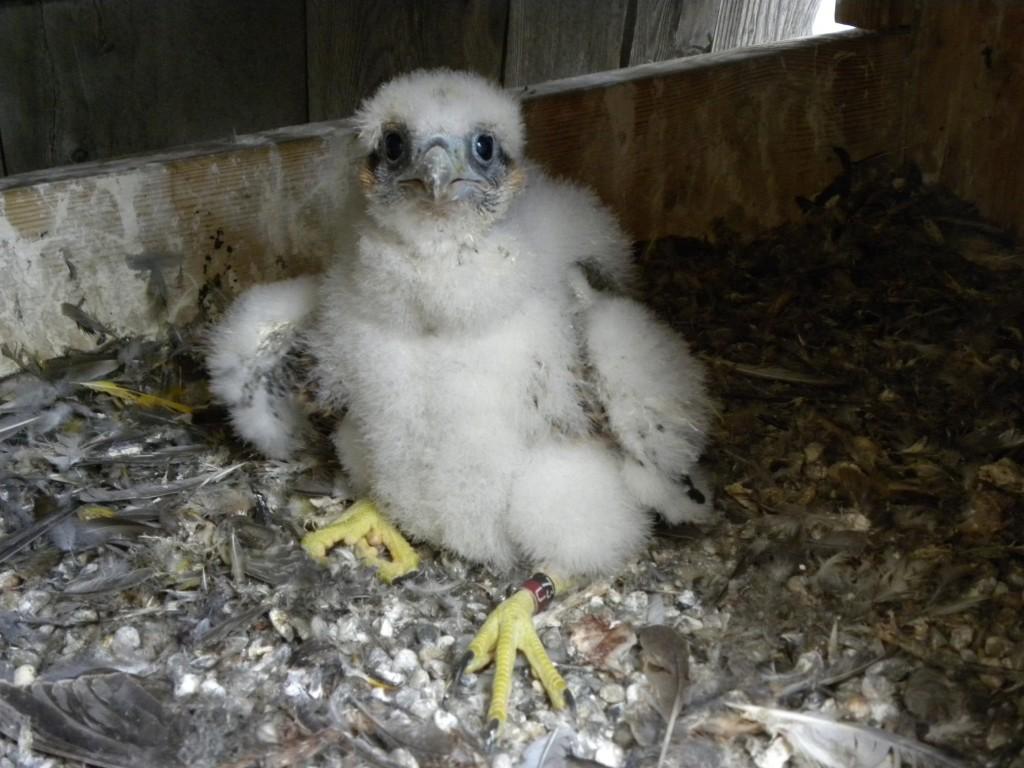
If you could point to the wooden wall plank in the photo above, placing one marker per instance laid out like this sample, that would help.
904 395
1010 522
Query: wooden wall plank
734 136
751 22
201 223
105 78
356 45
547 41
968 126
877 14
672 29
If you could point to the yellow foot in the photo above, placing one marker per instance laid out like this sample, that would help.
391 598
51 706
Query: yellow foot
508 629
363 527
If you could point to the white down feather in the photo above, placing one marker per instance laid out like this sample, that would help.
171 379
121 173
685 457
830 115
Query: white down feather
468 359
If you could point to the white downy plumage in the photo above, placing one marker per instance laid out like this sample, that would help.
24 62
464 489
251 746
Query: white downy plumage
502 398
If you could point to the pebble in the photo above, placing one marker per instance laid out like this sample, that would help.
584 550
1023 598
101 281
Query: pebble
404 758
211 687
445 721
775 756
636 602
439 671
319 629
689 624
9 580
406 660
961 636
279 621
998 736
266 732
126 640
427 634
24 675
419 678
609 753
612 693
687 599
187 685
422 708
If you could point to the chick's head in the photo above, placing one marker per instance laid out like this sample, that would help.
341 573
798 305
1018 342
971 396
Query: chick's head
442 148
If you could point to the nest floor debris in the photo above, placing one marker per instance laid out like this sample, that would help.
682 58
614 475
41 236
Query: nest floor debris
868 565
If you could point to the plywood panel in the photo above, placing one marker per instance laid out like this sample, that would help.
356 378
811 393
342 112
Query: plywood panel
671 29
547 41
734 136
356 45
94 80
750 22
968 103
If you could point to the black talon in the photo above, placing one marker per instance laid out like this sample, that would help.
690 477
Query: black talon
405 577
460 667
491 731
570 701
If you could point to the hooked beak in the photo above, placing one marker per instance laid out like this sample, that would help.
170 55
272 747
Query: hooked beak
436 170
442 173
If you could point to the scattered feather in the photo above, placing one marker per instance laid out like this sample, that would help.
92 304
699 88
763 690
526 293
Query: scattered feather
136 398
552 751
107 720
666 662
154 491
837 744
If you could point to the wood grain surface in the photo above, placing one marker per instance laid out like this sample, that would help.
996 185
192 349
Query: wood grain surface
91 80
751 22
734 136
877 14
547 41
967 126
668 29
356 45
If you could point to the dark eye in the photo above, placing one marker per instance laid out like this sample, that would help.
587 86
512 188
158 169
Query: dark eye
483 147
394 146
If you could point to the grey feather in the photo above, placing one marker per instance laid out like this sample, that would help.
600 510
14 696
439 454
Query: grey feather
837 744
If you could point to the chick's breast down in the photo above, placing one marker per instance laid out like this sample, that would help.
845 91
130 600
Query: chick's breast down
497 403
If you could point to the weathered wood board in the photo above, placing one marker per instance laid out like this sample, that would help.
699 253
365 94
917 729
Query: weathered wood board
87 81
672 147
736 136
878 14
668 29
967 129
91 80
141 244
556 40
750 22
356 45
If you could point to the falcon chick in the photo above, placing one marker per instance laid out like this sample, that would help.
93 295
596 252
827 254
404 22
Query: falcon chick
502 398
